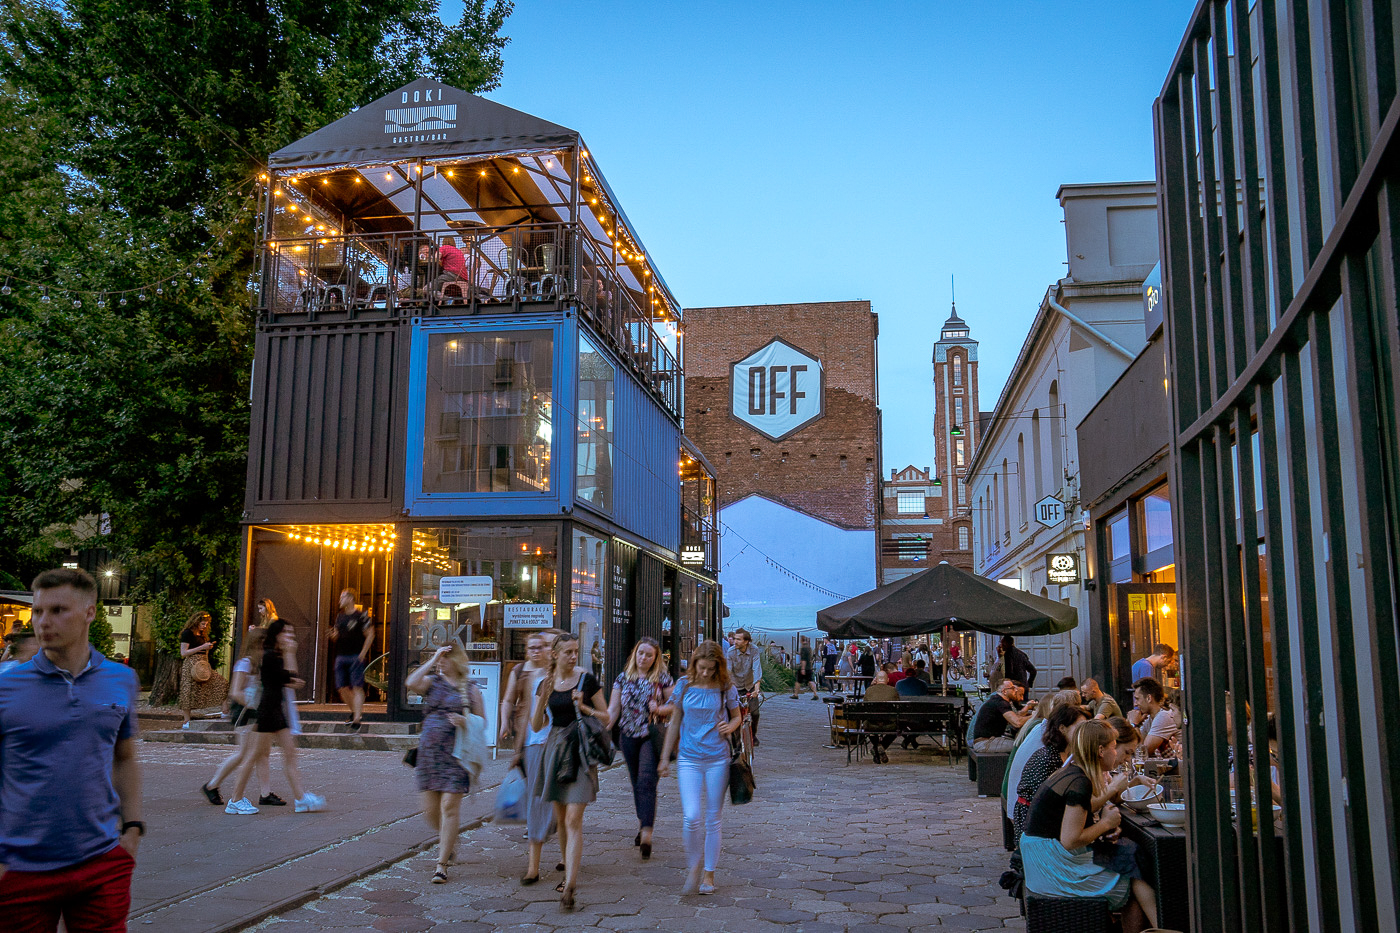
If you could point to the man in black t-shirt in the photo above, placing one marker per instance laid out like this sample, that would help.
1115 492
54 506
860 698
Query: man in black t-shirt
999 718
354 637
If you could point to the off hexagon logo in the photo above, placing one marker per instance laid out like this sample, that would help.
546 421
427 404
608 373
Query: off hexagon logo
777 390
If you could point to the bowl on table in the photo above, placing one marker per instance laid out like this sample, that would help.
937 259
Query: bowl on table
1140 796
1168 814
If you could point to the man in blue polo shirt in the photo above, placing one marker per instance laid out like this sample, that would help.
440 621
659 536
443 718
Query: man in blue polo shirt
70 787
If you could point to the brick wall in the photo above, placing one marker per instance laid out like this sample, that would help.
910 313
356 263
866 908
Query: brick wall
831 467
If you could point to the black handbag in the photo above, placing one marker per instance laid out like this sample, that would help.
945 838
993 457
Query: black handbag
594 741
741 782
410 757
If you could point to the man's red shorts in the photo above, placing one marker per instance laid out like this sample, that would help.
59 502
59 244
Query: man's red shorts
91 897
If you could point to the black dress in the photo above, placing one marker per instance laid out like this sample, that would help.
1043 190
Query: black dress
272 709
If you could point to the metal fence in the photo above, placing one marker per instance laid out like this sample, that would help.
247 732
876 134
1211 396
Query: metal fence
1279 186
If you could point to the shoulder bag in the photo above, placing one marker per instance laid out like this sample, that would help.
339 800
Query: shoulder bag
593 740
201 670
741 782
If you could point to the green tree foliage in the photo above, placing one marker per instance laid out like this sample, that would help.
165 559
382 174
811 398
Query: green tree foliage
135 134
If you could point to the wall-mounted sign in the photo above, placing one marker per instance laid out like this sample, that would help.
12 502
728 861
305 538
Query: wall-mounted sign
529 615
693 554
464 590
1152 300
1062 569
1137 602
777 390
1050 512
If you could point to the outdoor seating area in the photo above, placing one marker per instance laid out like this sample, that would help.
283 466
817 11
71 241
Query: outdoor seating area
941 719
517 220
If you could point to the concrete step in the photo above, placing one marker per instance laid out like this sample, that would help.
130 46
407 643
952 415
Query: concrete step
362 741
315 727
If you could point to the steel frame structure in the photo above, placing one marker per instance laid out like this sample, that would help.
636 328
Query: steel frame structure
1279 189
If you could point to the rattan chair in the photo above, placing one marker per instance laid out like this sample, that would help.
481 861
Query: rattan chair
1067 914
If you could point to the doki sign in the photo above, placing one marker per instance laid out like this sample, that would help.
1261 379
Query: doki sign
777 390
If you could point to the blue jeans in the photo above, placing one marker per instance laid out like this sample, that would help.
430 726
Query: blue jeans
640 755
703 786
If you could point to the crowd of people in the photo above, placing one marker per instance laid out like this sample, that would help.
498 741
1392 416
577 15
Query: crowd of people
1070 760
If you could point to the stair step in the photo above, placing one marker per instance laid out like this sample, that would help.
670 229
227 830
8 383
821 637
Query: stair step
317 727
362 741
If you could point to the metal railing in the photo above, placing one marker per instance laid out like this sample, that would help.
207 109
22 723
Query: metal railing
501 270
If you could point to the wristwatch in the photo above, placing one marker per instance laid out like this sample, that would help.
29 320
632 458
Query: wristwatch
139 826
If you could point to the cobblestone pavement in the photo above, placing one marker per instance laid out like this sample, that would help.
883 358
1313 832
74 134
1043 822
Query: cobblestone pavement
824 847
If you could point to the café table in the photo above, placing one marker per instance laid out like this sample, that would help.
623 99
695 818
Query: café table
1165 866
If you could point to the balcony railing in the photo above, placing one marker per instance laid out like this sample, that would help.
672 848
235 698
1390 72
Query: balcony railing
505 269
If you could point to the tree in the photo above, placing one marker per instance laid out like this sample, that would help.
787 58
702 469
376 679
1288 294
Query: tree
136 132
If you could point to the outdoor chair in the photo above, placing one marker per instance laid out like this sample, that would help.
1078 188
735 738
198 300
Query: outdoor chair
1067 914
548 285
512 261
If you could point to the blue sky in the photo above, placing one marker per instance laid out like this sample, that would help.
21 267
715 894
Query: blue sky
773 152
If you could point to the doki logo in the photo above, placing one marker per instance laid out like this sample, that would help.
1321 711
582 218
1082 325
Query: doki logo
777 389
425 123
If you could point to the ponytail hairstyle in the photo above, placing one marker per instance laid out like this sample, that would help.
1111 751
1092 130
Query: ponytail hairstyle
1058 725
557 649
1087 740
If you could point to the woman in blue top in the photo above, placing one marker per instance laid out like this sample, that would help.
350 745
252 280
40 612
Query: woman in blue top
706 713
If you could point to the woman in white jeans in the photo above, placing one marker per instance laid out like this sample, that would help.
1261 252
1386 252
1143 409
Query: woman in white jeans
706 706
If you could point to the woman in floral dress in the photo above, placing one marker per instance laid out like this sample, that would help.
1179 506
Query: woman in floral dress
442 780
641 699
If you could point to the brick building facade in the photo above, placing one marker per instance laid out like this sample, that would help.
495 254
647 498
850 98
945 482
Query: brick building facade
783 400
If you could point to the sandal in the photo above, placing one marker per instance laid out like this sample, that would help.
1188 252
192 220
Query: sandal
529 879
439 876
560 886
559 867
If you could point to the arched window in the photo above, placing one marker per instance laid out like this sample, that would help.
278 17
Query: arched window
1055 419
1021 477
1037 464
1006 494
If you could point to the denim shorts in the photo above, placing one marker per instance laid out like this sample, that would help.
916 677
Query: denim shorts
349 671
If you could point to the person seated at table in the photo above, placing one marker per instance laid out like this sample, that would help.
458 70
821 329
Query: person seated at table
998 718
1049 757
1030 738
892 674
1060 829
1101 705
1159 723
921 672
1066 683
912 687
452 265
880 691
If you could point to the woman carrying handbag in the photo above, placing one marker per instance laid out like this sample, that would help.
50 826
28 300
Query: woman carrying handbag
706 713
640 700
201 687
567 779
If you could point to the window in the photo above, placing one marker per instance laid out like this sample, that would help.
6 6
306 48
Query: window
910 503
1157 519
488 412
962 491
957 370
964 534
959 452
1021 478
957 411
586 599
905 549
595 426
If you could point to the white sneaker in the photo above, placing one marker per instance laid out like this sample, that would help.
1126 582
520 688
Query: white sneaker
242 807
185 727
311 803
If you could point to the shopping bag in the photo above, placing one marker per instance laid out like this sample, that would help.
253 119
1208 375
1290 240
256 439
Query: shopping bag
510 798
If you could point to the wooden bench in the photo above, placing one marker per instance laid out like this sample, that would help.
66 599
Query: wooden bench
939 718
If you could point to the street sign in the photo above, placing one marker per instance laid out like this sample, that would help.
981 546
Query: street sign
1050 512
1062 569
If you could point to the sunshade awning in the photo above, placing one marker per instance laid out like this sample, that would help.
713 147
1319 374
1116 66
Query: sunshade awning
945 596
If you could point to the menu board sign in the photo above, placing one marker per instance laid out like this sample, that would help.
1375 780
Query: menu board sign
624 568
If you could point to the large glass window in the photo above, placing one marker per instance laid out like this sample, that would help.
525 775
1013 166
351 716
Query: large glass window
586 600
488 412
910 503
595 426
518 562
1157 519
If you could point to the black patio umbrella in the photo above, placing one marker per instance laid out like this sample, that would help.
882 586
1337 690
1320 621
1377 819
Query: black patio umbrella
945 597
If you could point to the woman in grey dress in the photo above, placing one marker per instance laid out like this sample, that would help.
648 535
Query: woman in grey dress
562 693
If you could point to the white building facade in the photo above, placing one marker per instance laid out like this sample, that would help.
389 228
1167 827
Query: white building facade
1088 329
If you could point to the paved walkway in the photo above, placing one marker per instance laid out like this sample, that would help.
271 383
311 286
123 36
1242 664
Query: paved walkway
823 848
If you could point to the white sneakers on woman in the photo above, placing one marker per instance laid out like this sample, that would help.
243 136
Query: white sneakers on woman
310 803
